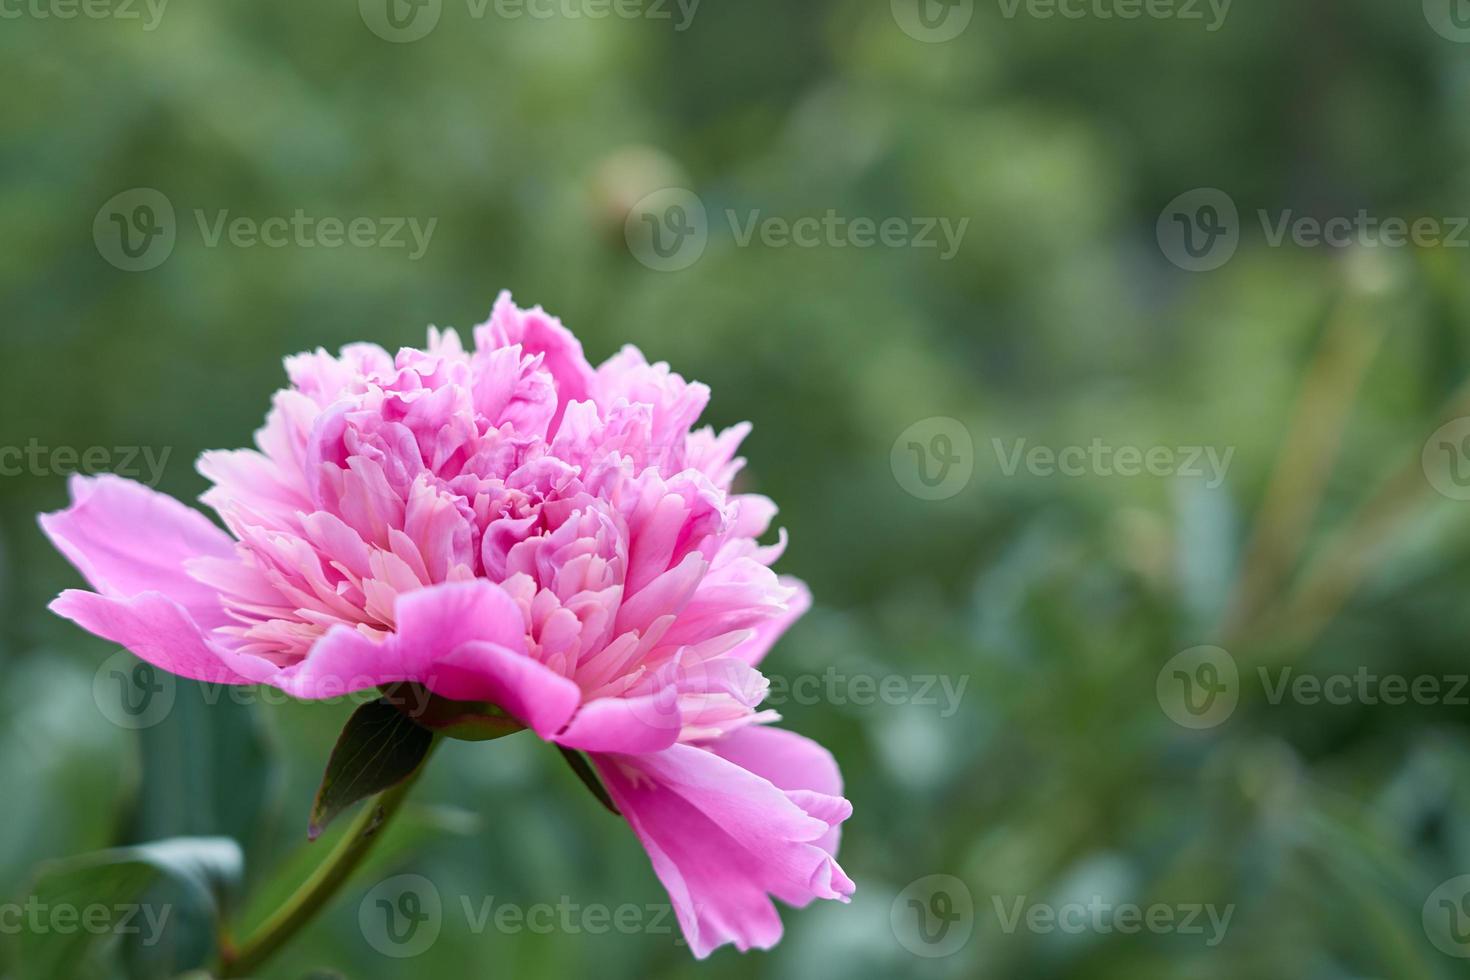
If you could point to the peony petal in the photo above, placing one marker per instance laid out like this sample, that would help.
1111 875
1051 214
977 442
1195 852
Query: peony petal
723 840
537 697
768 631
462 640
630 725
538 332
669 593
126 539
791 762
434 621
160 631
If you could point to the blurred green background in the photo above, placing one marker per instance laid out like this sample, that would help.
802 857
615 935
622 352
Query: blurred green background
1056 600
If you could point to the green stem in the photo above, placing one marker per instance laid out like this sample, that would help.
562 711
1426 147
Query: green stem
323 883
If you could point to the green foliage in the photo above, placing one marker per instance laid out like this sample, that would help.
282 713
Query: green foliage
163 902
379 748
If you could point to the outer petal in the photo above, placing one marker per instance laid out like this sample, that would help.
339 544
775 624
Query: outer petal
461 640
159 631
723 840
126 539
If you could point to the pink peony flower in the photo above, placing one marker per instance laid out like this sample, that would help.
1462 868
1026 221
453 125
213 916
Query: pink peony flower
505 525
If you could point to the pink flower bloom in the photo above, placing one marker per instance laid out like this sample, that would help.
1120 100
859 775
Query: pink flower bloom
505 525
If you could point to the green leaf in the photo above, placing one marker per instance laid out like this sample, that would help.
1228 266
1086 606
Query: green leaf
378 749
85 907
207 767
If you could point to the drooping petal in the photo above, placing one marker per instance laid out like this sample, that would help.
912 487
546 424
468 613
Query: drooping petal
724 840
790 761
